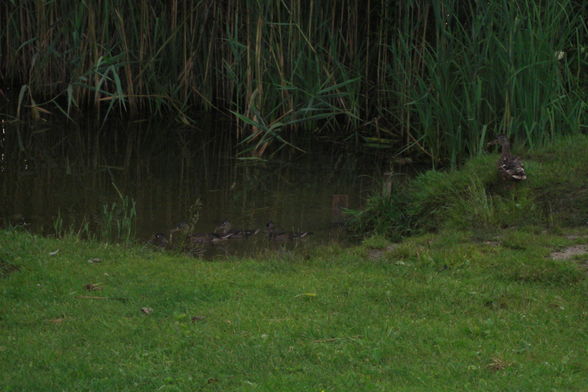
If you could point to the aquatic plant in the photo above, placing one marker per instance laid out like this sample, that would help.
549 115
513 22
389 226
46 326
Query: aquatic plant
80 230
117 219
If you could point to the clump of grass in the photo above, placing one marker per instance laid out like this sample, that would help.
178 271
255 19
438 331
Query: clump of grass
115 222
382 214
376 242
474 197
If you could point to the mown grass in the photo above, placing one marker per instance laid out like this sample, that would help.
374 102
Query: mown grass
443 312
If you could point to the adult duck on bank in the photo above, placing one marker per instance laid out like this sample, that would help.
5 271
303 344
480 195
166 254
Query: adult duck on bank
509 166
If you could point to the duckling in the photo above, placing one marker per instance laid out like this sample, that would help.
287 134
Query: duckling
181 229
159 240
274 234
226 230
509 166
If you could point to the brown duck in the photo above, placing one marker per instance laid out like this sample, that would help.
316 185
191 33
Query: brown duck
509 166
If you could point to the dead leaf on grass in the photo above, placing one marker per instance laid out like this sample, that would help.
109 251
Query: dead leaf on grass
93 287
146 310
198 318
306 295
498 363
56 320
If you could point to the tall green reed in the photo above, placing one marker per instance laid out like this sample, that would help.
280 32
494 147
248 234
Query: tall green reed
488 67
430 79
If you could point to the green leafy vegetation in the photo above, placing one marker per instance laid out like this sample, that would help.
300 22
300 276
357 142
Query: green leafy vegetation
437 312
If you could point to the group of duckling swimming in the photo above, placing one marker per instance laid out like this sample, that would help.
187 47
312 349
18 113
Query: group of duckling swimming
181 234
510 168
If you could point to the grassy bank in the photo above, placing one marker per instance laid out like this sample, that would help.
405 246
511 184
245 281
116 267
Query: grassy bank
476 198
445 312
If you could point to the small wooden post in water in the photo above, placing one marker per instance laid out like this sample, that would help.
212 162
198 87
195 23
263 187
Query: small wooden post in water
387 186
397 163
338 202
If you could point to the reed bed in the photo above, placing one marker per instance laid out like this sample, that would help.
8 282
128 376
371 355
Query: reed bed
417 78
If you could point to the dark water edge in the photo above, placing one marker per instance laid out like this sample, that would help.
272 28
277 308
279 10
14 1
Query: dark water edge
73 172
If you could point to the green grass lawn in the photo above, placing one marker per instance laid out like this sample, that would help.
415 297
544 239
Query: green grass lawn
444 312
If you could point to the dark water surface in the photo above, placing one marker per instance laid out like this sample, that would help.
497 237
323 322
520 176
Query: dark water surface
71 172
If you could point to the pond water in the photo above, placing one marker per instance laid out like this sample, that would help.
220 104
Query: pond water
61 176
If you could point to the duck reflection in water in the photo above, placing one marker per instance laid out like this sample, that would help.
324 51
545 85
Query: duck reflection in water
226 230
183 230
277 235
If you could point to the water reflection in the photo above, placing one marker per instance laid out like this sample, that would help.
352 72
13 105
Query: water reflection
70 171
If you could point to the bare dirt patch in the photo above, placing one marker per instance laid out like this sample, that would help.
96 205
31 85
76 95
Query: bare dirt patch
575 237
492 243
570 252
376 254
